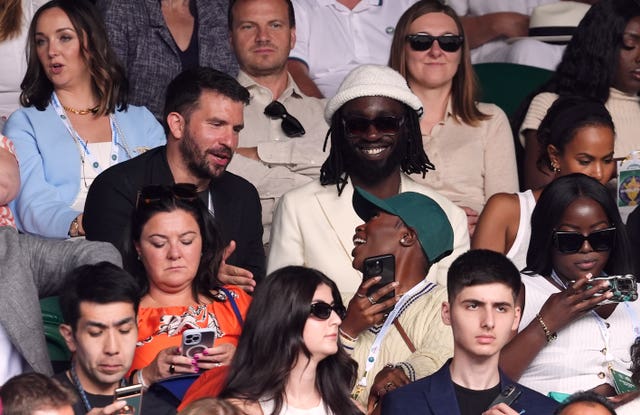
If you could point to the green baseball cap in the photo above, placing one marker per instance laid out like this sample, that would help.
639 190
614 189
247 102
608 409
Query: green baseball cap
418 212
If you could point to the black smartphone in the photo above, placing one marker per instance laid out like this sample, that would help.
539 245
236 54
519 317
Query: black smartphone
383 266
132 395
508 396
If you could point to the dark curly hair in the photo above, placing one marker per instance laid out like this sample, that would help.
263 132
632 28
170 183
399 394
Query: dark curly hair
107 75
413 157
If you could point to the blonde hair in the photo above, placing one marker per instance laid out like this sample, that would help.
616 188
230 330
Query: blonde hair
464 85
210 406
10 19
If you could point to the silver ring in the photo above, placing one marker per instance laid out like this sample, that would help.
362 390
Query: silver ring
360 295
172 368
371 300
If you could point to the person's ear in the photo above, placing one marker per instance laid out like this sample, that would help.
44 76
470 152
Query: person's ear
409 238
445 313
177 124
136 244
554 156
67 335
516 320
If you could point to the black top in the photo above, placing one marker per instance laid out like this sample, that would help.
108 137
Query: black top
152 402
475 402
190 57
112 197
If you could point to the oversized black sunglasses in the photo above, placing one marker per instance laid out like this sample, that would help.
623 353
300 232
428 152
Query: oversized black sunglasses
569 242
323 310
422 41
290 124
384 124
154 193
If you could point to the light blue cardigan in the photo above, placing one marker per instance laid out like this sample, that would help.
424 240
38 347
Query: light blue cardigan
50 164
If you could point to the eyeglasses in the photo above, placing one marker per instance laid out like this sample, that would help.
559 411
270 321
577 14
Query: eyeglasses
157 192
323 310
290 124
571 242
384 124
422 41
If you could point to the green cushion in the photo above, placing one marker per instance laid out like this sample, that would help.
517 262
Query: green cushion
52 318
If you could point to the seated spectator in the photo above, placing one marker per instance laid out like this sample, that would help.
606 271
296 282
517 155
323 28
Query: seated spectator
180 251
280 146
490 24
415 230
36 394
375 144
576 136
197 151
99 305
481 309
585 403
289 360
470 143
33 268
156 40
9 180
336 36
576 235
14 22
210 406
600 63
75 122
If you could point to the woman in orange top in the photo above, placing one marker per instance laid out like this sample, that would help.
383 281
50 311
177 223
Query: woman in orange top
179 253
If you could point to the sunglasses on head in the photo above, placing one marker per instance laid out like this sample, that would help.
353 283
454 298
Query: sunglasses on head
384 124
422 41
154 193
323 310
569 242
290 124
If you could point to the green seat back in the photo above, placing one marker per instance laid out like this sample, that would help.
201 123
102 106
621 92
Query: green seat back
52 318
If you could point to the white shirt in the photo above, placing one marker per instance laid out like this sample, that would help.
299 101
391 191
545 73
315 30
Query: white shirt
10 359
332 39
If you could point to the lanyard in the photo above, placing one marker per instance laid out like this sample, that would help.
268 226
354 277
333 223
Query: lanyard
375 347
80 389
83 148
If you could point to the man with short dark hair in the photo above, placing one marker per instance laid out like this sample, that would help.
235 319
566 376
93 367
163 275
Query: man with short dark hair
280 147
375 143
482 287
203 116
99 305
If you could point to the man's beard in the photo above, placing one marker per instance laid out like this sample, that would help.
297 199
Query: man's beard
372 172
197 162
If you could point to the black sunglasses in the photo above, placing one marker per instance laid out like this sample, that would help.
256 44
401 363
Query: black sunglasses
384 124
422 41
323 310
290 124
569 242
158 192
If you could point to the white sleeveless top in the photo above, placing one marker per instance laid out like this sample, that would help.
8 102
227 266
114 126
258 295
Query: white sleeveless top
267 409
518 251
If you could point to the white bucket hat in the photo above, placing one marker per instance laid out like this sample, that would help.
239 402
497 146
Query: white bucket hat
555 22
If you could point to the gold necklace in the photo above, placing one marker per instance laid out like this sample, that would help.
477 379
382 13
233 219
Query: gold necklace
81 112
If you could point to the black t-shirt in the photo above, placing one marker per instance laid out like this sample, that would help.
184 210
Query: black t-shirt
152 403
475 402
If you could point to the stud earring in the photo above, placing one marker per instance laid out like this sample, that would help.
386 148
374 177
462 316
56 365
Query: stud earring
555 167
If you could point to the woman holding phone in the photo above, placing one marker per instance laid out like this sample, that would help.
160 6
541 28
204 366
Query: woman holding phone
179 252
570 339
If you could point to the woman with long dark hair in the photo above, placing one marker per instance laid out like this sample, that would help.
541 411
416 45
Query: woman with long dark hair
75 121
571 337
289 357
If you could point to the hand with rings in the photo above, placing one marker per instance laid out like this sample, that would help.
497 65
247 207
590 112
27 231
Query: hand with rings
388 378
364 310
168 362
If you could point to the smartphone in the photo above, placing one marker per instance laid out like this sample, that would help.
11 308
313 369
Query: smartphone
508 396
383 266
196 340
132 395
623 287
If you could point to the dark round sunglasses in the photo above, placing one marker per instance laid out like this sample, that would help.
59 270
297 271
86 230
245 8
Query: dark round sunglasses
290 124
422 41
384 124
569 242
323 310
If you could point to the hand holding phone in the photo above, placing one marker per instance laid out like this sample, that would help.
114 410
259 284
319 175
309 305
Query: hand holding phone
133 397
383 266
195 341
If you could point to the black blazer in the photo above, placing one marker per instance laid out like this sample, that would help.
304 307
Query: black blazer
112 199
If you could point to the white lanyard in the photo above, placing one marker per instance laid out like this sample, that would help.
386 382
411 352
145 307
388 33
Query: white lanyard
83 148
213 214
375 347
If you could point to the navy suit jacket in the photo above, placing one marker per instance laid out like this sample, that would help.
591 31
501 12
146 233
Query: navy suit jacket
436 395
